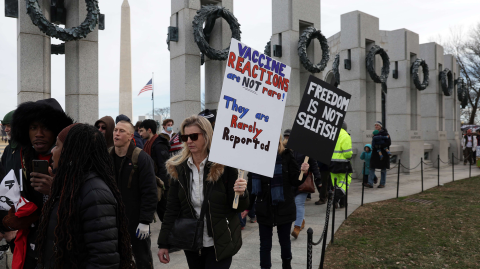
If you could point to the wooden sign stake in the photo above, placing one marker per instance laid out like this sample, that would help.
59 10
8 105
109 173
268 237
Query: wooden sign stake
237 194
301 173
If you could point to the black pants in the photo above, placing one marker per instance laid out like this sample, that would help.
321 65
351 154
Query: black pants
207 260
142 252
469 155
325 185
162 206
266 234
340 197
365 178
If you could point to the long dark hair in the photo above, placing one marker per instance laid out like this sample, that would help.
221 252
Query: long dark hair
84 151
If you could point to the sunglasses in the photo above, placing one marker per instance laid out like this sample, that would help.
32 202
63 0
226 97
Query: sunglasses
102 127
193 137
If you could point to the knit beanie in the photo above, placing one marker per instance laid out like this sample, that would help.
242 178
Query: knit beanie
8 118
379 123
62 136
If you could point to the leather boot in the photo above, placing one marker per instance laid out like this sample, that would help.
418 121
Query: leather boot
296 231
303 225
286 264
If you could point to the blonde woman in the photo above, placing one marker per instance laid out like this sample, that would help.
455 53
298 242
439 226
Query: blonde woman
195 179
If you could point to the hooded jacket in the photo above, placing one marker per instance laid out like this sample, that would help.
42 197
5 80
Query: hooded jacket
366 156
51 115
108 121
222 220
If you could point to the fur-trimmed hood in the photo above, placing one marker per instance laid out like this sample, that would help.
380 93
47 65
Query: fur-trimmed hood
215 170
47 111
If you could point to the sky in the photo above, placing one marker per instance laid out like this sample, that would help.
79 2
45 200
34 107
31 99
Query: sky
151 18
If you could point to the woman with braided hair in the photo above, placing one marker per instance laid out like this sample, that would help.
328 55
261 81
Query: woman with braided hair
84 223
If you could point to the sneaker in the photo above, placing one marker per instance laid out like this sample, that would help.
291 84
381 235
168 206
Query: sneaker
381 186
381 157
367 185
320 202
243 228
308 199
253 220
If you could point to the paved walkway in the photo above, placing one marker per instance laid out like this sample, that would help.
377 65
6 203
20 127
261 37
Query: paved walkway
248 256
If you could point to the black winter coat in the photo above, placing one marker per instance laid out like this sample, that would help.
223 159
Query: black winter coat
223 223
97 209
140 198
160 155
284 212
11 160
375 161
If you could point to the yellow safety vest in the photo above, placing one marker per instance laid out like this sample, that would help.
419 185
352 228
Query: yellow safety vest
343 151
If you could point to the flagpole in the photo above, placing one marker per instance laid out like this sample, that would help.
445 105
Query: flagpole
153 99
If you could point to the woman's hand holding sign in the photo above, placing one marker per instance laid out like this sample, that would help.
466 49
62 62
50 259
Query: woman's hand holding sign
240 186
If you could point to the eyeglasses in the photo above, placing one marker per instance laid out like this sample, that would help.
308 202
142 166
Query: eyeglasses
102 127
193 137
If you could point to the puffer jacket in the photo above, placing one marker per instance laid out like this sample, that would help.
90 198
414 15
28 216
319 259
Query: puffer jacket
366 156
283 212
223 223
98 233
383 163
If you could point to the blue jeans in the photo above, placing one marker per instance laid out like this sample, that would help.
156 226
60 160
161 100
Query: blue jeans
300 204
383 176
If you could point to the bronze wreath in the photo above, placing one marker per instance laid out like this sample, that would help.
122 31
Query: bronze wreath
211 13
420 62
64 34
370 61
303 43
446 81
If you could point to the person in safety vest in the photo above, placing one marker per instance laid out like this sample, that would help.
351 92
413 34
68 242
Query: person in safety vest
340 167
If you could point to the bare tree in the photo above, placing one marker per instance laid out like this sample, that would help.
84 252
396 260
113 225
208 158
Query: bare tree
466 49
164 112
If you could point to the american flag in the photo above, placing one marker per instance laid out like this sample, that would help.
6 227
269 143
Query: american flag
175 144
147 87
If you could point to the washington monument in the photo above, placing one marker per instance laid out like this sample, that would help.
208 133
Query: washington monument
125 104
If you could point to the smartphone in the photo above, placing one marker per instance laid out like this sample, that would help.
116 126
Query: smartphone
40 166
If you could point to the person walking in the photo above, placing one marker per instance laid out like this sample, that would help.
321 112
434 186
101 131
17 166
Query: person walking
323 184
202 188
275 204
377 162
469 145
340 167
300 196
137 139
106 125
85 205
135 177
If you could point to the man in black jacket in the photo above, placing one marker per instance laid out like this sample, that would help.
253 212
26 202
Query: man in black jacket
135 176
158 147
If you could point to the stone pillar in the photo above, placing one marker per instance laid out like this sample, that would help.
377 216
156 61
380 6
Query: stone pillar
33 56
403 99
432 104
215 70
452 110
289 19
125 96
184 63
81 68
359 31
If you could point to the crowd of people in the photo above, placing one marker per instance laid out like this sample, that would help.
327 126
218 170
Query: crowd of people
469 142
105 184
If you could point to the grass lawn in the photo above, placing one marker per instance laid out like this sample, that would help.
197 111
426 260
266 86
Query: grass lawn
400 234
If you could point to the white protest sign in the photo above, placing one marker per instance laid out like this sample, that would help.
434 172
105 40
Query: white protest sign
250 110
9 191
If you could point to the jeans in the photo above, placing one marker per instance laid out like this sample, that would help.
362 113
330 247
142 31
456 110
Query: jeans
300 204
207 260
266 234
383 176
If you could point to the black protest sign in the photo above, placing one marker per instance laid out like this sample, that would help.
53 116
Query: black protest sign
319 120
